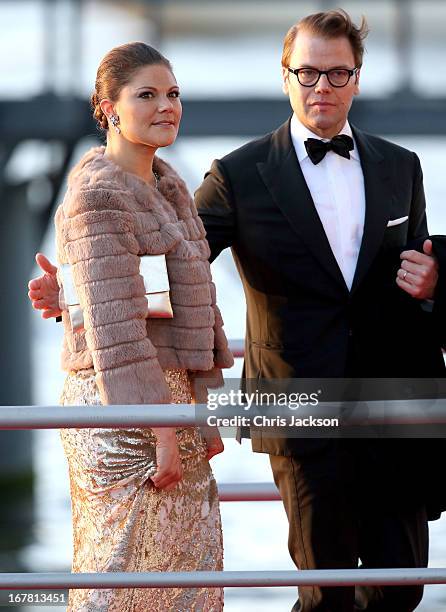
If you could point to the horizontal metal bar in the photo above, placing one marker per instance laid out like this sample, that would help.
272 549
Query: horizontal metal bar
339 577
237 347
248 491
55 417
397 412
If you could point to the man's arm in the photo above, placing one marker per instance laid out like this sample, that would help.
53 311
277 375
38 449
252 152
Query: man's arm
215 203
44 290
418 274
423 266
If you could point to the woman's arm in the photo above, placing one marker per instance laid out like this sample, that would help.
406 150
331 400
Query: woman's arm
96 236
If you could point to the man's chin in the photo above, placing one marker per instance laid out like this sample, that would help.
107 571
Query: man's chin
325 127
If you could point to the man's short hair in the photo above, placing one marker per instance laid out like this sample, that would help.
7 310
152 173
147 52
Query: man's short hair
329 24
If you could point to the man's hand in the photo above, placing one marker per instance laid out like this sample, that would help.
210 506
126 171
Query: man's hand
44 290
418 274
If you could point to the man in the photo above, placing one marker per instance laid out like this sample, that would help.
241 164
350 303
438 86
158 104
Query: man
316 231
314 234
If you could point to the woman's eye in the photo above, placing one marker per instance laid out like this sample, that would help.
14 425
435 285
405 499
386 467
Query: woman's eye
146 94
175 94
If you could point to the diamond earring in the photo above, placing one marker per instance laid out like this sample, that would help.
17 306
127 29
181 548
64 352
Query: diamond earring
114 120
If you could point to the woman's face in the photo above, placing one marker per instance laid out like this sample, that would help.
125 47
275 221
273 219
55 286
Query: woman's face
149 107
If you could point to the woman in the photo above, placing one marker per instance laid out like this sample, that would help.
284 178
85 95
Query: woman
142 499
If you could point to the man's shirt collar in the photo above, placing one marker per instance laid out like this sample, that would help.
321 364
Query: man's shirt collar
300 133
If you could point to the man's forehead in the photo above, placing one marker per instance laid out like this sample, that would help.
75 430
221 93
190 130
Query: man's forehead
310 48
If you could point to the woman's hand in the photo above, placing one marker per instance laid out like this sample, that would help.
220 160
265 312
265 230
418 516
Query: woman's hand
213 441
169 470
44 290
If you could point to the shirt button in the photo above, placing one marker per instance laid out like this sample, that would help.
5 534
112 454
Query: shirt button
350 332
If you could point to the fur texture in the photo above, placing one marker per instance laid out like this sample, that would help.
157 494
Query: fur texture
107 219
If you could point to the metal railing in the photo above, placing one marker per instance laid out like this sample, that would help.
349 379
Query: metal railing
49 417
398 412
25 417
248 491
119 580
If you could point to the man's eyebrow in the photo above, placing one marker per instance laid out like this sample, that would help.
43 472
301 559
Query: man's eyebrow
338 67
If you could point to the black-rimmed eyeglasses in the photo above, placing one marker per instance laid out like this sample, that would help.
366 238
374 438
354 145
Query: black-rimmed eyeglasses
337 77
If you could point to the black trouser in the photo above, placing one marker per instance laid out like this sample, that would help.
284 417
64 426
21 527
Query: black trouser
338 513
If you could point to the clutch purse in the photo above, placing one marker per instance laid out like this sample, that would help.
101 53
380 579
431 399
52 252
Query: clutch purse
152 268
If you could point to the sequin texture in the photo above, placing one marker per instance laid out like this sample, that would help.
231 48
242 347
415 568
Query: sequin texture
121 522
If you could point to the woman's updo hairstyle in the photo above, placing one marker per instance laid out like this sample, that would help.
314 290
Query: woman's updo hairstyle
116 70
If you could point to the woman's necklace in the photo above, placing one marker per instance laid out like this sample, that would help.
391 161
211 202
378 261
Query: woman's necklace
156 177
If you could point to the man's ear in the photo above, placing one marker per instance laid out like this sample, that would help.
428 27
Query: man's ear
285 82
356 91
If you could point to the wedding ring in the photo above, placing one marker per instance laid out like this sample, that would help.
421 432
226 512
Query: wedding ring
404 275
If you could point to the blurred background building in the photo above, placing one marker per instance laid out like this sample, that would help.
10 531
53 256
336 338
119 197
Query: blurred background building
226 57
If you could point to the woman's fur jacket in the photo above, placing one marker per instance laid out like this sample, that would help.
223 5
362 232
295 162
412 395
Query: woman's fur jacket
107 219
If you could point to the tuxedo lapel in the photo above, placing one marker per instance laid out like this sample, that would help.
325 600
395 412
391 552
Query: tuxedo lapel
378 195
285 181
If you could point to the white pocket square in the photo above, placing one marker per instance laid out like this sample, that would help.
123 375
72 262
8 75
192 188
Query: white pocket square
393 222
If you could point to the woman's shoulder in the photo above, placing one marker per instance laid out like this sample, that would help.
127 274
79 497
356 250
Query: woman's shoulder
94 184
173 188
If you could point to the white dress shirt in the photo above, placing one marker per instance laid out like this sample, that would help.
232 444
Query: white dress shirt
336 185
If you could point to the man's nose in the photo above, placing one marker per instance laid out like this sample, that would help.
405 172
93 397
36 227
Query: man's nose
323 84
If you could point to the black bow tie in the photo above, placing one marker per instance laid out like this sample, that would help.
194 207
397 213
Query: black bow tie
317 149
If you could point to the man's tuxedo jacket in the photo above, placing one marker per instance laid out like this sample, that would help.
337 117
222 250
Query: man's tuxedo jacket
302 320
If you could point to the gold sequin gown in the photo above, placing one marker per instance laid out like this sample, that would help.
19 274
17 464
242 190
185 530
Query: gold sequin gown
122 523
